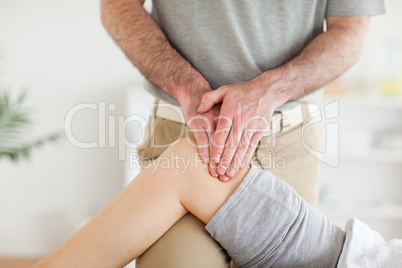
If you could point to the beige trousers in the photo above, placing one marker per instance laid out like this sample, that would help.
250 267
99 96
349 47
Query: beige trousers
187 243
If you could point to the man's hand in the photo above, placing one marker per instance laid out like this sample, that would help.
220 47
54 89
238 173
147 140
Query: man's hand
326 57
202 125
246 110
147 47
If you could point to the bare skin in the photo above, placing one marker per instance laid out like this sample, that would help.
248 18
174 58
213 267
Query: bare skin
323 59
138 216
147 47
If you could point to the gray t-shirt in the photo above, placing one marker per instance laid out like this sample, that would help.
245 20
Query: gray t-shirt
230 41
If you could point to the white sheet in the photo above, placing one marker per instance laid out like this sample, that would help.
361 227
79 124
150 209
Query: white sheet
366 248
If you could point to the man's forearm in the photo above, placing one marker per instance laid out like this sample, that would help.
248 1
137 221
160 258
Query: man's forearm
147 47
325 58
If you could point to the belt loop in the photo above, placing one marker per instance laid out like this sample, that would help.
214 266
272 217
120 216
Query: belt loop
156 104
305 111
275 124
285 122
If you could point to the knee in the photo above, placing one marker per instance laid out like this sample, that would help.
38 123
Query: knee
184 146
181 156
176 164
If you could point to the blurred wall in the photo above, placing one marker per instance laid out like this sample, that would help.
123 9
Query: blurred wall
59 51
381 60
366 180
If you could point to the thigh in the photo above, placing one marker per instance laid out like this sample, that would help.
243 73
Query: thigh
186 243
285 155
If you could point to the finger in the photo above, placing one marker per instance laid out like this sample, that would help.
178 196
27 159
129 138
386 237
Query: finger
220 136
256 127
211 98
231 145
212 169
202 140
224 178
212 166
251 149
240 153
200 126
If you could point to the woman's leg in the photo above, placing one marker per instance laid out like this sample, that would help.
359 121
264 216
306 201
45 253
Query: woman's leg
145 210
186 243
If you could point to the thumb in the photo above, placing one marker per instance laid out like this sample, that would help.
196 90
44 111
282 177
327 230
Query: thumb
211 98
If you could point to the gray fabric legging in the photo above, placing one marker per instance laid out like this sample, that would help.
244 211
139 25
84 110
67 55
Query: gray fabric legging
265 223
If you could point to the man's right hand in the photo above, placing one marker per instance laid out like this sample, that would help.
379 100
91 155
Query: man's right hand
147 47
202 125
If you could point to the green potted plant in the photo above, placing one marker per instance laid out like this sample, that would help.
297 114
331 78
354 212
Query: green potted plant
14 120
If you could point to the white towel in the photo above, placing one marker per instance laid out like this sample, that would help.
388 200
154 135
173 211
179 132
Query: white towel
366 248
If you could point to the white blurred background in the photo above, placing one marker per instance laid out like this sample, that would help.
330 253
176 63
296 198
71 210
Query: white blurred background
59 51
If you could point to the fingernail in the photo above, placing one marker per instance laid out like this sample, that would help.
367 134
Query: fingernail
231 172
224 178
206 159
201 106
222 170
216 158
212 170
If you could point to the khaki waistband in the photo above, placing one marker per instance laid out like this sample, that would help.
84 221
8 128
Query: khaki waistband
281 121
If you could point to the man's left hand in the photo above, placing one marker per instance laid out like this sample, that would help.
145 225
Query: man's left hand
246 110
